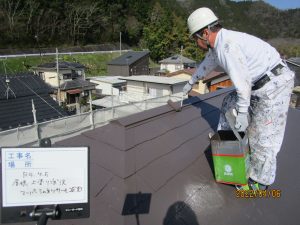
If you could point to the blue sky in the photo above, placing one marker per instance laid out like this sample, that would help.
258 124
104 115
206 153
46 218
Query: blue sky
283 4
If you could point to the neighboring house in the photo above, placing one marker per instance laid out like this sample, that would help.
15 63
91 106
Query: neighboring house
70 83
175 63
217 79
19 94
198 88
108 85
154 86
71 92
130 63
67 71
166 155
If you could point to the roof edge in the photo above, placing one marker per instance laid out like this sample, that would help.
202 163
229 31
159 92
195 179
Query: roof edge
151 113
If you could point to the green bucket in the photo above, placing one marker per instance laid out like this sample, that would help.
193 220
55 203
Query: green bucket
230 158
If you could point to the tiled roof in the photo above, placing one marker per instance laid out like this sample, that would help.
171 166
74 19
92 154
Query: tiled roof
128 58
177 59
22 85
216 73
190 71
61 65
17 109
167 154
78 83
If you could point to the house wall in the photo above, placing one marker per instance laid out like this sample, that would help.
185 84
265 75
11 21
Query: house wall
157 90
51 78
107 89
136 87
201 88
215 86
178 88
171 67
140 67
118 70
153 89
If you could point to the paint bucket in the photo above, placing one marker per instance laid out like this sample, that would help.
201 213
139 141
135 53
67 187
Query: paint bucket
230 157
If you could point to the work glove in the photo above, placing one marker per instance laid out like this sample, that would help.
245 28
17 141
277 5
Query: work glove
241 121
187 88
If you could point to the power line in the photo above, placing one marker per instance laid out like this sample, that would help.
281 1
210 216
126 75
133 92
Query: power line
36 93
39 96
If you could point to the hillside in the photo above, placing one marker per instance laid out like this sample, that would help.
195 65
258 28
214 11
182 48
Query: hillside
159 25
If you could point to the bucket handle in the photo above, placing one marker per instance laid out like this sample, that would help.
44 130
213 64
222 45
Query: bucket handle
230 116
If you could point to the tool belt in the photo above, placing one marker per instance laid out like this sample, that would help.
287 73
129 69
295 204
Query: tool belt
266 78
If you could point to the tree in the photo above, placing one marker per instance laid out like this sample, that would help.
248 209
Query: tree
12 10
156 32
80 19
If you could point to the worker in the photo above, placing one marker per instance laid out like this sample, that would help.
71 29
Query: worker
263 85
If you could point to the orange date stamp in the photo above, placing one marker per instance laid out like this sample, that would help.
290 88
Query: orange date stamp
275 193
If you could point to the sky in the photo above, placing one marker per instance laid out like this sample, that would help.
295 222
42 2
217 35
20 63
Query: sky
283 4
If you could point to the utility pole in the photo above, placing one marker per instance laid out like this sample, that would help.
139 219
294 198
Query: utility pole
120 42
58 79
38 43
181 50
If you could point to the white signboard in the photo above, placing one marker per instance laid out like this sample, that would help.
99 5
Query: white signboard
44 176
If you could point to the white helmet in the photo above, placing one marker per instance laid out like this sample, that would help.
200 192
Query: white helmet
200 19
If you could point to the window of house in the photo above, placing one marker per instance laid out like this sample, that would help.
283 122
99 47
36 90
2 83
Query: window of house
178 66
71 98
67 76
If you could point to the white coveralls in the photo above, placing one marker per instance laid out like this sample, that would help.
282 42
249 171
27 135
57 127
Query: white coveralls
245 59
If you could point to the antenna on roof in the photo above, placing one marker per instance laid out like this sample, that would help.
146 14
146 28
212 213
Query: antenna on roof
8 89
4 66
7 81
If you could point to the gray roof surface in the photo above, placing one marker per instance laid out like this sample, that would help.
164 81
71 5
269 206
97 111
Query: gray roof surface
177 59
129 58
155 79
167 154
108 79
17 111
108 101
77 83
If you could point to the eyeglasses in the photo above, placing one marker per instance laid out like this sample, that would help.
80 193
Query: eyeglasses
198 36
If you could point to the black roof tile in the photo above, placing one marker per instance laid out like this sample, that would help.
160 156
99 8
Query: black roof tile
61 65
17 109
128 58
77 83
21 85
